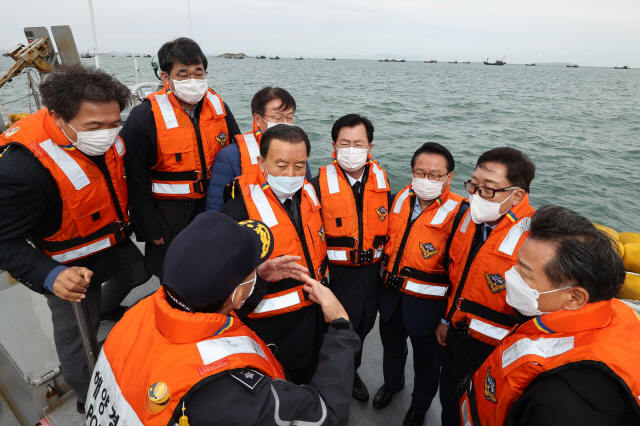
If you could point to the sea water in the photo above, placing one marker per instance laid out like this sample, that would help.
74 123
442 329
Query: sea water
580 126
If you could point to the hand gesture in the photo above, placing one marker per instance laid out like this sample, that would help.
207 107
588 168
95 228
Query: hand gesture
280 268
331 307
72 283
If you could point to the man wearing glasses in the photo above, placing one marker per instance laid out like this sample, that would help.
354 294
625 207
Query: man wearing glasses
270 106
172 139
415 280
478 317
354 194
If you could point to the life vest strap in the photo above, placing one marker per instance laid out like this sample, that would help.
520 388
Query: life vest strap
475 308
470 399
119 232
396 282
175 176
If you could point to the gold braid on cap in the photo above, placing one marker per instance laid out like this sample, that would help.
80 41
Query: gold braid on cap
262 231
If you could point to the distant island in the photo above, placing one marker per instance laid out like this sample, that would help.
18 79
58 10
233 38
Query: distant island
234 55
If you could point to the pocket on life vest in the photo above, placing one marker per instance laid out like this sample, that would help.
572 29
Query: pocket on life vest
458 247
91 207
176 146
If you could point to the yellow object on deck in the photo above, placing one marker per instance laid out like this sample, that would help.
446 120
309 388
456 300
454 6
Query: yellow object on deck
630 237
608 230
631 288
631 257
14 118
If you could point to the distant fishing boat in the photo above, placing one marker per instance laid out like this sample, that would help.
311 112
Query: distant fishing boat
384 60
277 57
433 61
332 59
87 55
466 62
626 67
261 57
147 56
454 62
299 59
497 62
129 55
530 65
573 66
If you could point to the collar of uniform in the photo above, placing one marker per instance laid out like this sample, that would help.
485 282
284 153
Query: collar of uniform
436 203
513 215
591 316
184 327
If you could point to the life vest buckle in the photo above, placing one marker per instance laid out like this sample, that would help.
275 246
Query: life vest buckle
463 329
360 257
394 282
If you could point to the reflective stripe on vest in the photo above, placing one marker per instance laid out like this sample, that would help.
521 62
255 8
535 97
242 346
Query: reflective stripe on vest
465 414
170 188
279 302
430 290
492 331
400 201
382 184
341 255
82 251
119 146
252 147
168 115
262 204
215 103
443 212
104 385
510 242
217 349
465 224
67 164
545 348
332 179
312 193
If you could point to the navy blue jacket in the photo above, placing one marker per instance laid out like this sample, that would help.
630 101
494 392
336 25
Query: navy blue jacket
226 168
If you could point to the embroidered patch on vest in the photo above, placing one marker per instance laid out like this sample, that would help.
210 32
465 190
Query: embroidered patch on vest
321 233
216 365
495 282
249 378
11 131
490 387
428 250
158 397
382 213
222 139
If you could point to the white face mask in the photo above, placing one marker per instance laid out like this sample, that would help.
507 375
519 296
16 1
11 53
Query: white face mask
427 190
190 90
270 124
521 296
284 186
485 211
352 159
94 142
253 286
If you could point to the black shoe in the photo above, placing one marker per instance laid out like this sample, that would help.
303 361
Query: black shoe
114 315
383 397
80 407
360 392
412 419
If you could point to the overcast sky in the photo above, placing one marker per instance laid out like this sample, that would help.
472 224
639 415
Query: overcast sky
588 32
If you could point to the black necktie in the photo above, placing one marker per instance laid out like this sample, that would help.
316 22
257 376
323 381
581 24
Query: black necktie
287 206
356 188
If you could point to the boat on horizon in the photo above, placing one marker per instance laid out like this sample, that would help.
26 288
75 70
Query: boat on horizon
454 62
332 59
261 57
87 55
497 62
299 59
147 56
277 57
466 62
573 66
626 67
530 65
433 61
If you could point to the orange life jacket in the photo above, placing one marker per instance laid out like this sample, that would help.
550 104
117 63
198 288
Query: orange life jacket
354 238
186 151
156 354
414 254
94 208
263 205
598 335
476 304
249 147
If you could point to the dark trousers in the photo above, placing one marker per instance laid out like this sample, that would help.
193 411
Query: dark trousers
128 273
459 359
425 361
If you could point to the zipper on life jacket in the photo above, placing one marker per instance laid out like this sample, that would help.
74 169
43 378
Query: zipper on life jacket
472 255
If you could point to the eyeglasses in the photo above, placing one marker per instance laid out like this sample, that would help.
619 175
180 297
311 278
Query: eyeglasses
358 144
433 177
485 192
279 119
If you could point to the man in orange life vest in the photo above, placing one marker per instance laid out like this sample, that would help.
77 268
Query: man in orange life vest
577 362
354 194
278 194
483 249
416 281
184 352
270 106
62 187
172 140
